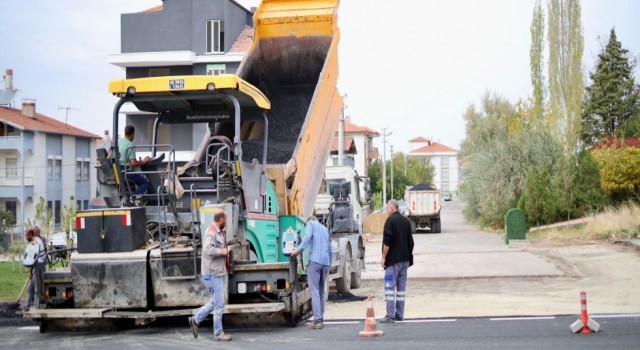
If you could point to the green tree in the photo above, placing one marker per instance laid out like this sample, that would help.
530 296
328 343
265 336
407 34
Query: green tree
619 170
375 176
68 214
42 218
419 171
6 221
566 82
536 54
612 99
588 196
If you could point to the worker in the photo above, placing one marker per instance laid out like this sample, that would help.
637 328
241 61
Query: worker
36 272
129 161
317 237
397 256
38 233
214 270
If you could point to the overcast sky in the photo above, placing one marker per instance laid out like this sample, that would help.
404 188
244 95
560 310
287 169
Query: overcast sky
410 65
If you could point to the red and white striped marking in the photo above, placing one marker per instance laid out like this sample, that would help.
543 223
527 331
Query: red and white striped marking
126 219
80 225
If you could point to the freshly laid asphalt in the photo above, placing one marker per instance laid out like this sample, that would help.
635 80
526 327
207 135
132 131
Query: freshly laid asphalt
549 332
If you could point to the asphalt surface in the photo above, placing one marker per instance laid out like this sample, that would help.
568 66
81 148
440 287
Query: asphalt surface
617 332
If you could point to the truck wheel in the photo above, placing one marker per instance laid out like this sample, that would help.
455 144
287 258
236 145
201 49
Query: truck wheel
437 226
413 227
343 284
356 276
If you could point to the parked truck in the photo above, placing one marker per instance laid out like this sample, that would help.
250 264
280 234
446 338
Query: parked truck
261 161
423 206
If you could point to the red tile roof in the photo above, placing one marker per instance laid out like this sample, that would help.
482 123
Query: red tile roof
41 123
353 128
419 139
158 8
434 148
244 40
349 145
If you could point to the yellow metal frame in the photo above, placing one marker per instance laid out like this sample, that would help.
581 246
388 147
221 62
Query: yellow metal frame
190 83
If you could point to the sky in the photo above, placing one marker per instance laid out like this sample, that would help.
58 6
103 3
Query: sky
412 66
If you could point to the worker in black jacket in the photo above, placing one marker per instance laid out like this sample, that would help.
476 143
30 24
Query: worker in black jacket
397 256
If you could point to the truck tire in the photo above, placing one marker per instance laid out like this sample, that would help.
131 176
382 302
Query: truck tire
435 226
343 284
356 276
414 228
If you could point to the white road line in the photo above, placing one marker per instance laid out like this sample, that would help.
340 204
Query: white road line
429 321
616 316
341 322
522 318
29 328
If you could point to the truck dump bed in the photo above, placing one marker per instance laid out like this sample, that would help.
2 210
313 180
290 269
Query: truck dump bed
298 39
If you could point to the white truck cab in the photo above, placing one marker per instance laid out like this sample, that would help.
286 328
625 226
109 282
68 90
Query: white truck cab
360 192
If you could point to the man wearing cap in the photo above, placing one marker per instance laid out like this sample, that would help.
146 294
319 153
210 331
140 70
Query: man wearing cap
317 238
397 256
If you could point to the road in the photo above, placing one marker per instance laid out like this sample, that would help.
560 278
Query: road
470 333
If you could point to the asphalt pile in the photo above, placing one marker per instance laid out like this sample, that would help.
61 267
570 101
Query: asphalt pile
8 317
345 298
287 115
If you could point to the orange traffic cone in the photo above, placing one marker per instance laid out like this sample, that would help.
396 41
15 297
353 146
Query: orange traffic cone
370 329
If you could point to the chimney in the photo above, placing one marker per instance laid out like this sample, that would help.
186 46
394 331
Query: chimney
8 79
29 108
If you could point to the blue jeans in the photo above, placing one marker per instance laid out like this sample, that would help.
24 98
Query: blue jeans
395 289
215 285
317 275
142 184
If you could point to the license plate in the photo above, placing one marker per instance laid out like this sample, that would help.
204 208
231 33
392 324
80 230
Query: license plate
176 84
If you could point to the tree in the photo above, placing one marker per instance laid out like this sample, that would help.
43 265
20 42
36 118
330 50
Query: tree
619 162
68 214
588 196
612 99
566 86
43 218
541 205
536 54
6 221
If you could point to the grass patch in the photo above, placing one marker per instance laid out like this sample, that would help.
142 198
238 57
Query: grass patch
11 282
612 224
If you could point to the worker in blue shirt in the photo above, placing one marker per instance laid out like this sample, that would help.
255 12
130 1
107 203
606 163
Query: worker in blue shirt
317 237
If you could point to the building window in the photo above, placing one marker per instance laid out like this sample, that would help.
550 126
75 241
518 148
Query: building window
445 187
445 162
50 167
78 205
216 69
445 174
159 72
12 167
86 204
78 169
57 171
12 207
215 36
50 206
57 212
85 169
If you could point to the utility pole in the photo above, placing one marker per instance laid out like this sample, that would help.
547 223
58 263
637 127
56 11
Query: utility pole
404 157
68 108
341 133
391 171
384 164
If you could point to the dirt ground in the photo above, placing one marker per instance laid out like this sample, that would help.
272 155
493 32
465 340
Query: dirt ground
608 272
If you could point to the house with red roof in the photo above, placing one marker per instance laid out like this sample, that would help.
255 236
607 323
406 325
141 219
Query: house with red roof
358 150
43 157
181 37
443 158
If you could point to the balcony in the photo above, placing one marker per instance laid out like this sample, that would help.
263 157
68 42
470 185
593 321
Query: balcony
373 153
17 143
12 187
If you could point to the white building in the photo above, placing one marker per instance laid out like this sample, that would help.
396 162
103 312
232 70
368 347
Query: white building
43 157
443 158
362 153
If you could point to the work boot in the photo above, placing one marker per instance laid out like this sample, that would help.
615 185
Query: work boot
194 327
387 319
222 337
316 325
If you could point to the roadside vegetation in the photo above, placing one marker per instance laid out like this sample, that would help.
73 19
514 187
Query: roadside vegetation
11 281
568 151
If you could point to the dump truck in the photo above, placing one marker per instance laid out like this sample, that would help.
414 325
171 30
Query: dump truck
261 161
423 206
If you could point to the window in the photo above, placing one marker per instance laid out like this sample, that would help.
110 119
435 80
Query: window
445 174
445 162
50 167
159 72
78 204
86 204
78 169
57 212
215 36
50 206
86 164
12 207
57 171
12 167
216 69
445 186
